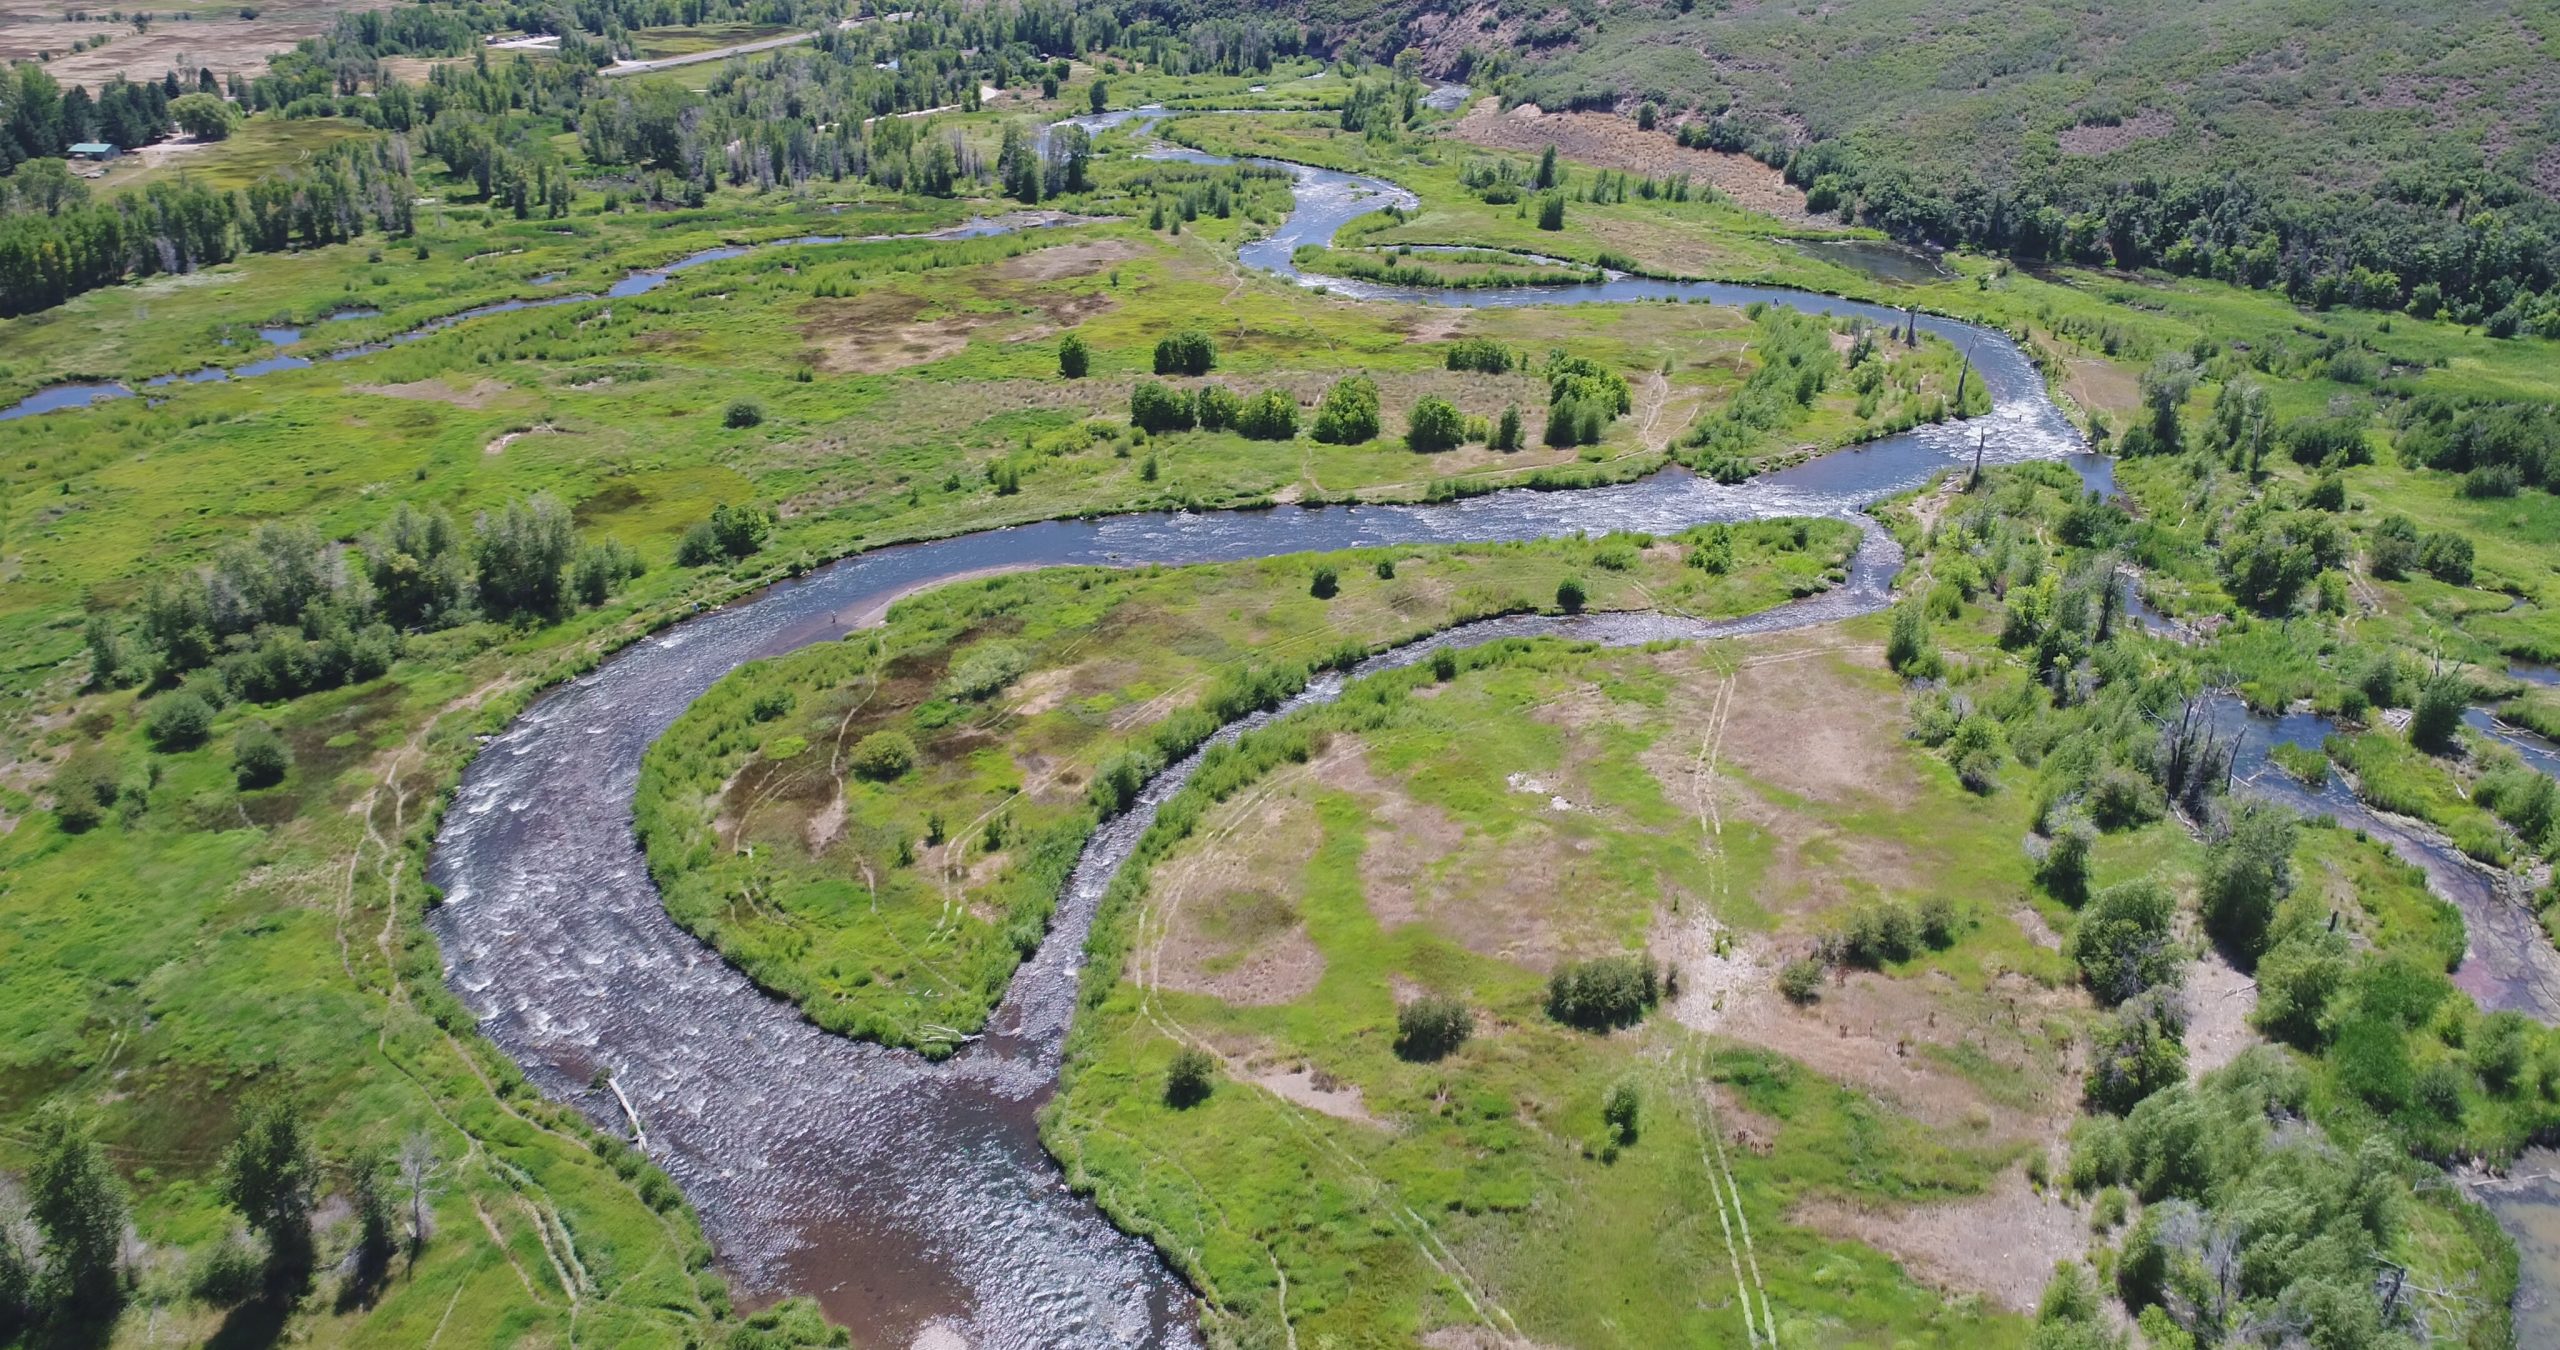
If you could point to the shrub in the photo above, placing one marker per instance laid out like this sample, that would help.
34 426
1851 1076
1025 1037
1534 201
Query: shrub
2437 715
983 670
178 721
1801 980
1188 1081
232 1273
1215 407
1483 355
731 532
1435 424
1597 995
1507 432
2247 872
2500 1051
1190 352
1618 1110
2064 873
2135 1053
258 756
1570 596
1348 414
1325 584
1551 211
1155 407
2123 944
884 755
2297 980
83 788
1908 649
1271 415
2446 556
1074 358
743 413
2393 549
1432 1027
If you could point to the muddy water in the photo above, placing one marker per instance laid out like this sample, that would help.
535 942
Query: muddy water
906 1195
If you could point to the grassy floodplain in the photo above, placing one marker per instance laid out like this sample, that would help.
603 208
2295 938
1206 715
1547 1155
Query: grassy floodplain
206 943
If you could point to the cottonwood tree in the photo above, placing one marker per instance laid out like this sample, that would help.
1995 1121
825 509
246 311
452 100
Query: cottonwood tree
273 1179
79 1204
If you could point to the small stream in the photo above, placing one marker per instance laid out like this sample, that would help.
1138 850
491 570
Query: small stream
906 1195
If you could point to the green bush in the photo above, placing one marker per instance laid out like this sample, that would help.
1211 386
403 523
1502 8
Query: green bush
1271 415
1325 584
1800 980
2124 945
1348 414
179 721
1483 355
2446 556
1074 358
1435 424
1432 1027
2248 870
2136 1052
1618 1110
2297 980
2436 719
1160 408
743 413
1570 597
884 755
1190 1078
258 756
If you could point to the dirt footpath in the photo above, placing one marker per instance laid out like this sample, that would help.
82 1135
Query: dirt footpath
1612 142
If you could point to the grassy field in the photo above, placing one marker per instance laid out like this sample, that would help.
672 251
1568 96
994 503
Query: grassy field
894 906
207 940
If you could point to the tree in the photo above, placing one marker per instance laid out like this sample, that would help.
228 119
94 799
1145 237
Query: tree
1348 413
2137 1052
369 1187
1618 1110
1551 211
1101 97
1570 596
19 1261
1074 358
1157 408
79 1206
419 1171
520 554
2064 873
2165 388
731 532
883 756
2447 557
207 117
108 660
1606 992
178 721
258 756
2436 718
2123 945
415 562
1432 1027
1908 650
2393 549
2297 979
1190 1078
271 1177
1271 415
601 567
2248 871
1548 174
1435 424
1506 433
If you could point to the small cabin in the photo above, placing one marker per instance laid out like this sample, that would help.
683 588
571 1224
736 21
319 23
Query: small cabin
98 152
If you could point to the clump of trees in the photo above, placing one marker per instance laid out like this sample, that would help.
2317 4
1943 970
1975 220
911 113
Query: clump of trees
1435 424
286 612
731 533
1604 993
1583 398
1190 352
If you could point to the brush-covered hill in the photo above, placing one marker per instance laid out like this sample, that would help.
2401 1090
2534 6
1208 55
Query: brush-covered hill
2273 143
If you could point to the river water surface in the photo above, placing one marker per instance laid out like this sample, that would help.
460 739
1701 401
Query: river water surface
909 1196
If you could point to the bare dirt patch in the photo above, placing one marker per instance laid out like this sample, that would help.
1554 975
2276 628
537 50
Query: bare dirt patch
2219 1002
1317 1092
2150 124
1068 260
1611 142
437 391
499 446
2100 385
219 40
2001 1245
1228 929
892 330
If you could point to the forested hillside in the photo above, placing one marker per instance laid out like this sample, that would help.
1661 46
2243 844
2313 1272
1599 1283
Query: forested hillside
2351 151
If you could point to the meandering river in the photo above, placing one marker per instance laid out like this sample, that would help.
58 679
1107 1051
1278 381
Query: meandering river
909 1196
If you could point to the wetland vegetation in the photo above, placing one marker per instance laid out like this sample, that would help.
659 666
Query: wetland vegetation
1850 978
